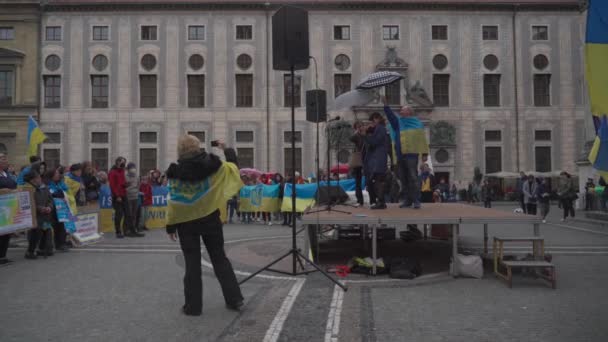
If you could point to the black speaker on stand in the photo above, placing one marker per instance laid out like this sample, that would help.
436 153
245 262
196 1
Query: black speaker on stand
290 52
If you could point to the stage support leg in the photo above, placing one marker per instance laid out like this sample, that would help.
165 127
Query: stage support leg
455 229
485 239
425 227
374 248
535 244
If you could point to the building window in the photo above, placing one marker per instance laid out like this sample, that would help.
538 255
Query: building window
147 91
489 32
101 32
245 157
148 33
100 137
147 160
540 61
196 91
439 32
342 62
100 62
287 136
441 90
341 32
52 157
52 138
393 93
148 137
287 157
244 61
287 90
542 135
390 32
7 33
244 32
52 91
244 90
100 158
540 33
148 62
7 88
342 84
52 62
542 156
196 62
490 62
542 90
493 136
196 32
491 90
99 85
440 62
244 136
493 159
53 33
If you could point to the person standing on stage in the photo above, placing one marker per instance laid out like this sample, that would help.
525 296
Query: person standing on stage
199 184
376 157
410 144
356 159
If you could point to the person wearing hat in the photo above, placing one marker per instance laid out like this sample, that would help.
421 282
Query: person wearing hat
132 182
44 208
118 186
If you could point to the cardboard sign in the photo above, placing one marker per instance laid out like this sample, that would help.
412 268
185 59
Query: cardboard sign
87 229
17 211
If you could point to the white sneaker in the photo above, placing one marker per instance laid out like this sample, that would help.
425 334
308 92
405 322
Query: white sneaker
270 223
544 221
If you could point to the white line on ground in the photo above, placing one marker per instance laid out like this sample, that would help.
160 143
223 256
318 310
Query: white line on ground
274 331
332 330
578 228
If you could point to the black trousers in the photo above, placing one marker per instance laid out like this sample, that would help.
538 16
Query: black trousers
568 206
358 173
190 233
4 240
121 211
531 208
38 237
487 203
59 233
379 186
369 184
408 175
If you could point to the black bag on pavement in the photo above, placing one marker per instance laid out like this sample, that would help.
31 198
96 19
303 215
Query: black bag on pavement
405 268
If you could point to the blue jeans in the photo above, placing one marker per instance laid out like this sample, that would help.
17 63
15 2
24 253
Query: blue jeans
408 175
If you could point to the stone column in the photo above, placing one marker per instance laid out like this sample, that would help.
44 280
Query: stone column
126 80
75 97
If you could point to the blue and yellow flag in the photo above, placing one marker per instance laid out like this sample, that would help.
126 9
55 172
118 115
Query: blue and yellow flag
599 152
259 198
412 136
305 197
74 183
35 137
596 53
189 201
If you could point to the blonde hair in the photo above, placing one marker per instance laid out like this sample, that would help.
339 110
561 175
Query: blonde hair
188 143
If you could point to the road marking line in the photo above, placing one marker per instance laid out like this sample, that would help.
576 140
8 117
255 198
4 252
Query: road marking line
332 330
577 228
274 331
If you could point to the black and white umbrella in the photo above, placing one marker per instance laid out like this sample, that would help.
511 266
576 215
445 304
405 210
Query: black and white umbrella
379 79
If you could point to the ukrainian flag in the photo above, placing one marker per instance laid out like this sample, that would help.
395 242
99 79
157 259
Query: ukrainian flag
412 136
305 197
35 137
596 52
259 198
599 152
73 184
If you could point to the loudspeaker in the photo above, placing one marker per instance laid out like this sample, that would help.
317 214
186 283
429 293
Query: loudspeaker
290 39
316 100
332 194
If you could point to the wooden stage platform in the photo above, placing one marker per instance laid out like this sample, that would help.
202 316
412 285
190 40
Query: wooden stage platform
453 214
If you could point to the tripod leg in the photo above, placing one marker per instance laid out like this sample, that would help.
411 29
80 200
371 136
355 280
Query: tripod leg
322 271
265 267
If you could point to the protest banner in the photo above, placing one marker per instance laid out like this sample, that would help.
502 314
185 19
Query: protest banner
64 214
86 229
17 211
156 215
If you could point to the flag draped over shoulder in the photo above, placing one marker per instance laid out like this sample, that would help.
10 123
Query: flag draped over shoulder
35 137
599 152
412 136
73 183
305 197
596 54
189 201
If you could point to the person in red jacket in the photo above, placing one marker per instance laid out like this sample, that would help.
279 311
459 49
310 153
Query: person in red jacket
118 186
145 189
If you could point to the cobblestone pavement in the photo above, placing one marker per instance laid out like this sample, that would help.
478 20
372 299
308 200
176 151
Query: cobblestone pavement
131 290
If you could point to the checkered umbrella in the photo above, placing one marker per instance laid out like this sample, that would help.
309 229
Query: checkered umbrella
379 79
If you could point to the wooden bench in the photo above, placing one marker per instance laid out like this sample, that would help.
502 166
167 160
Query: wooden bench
538 250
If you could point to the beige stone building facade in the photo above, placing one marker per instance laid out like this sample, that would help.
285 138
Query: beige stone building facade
19 56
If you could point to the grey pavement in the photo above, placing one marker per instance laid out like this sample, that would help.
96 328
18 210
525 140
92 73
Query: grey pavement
131 289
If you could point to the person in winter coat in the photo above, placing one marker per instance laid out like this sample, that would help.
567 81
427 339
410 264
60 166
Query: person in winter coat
203 176
567 194
91 183
530 195
486 194
58 189
132 183
356 162
544 199
44 210
118 186
145 190
427 184
376 158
